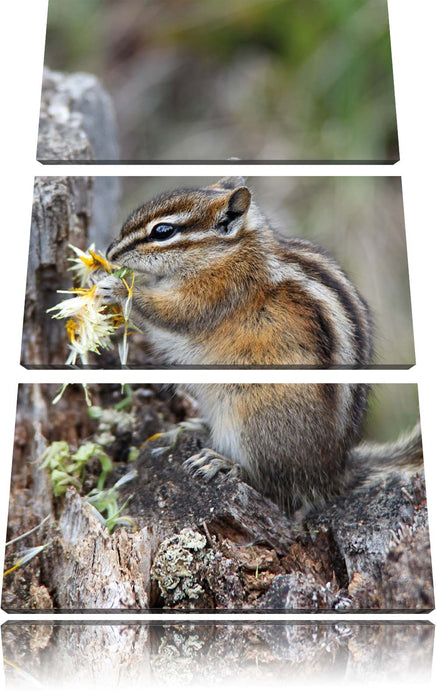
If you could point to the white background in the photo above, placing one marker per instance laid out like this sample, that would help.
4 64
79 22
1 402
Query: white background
412 25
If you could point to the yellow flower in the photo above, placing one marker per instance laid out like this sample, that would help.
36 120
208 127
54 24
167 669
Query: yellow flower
91 322
86 263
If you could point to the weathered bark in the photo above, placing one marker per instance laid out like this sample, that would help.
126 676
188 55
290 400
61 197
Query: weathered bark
62 209
77 121
124 654
99 571
214 546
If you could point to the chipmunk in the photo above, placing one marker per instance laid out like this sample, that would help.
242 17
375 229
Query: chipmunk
215 285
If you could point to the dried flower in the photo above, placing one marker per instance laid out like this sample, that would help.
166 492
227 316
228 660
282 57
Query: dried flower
90 322
86 263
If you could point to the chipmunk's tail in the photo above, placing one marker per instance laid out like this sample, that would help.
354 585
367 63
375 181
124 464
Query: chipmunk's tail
373 463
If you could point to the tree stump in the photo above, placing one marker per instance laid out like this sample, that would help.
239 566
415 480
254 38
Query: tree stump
195 546
76 123
200 546
62 210
77 120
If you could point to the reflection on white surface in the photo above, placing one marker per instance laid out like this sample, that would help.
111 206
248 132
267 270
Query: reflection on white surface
123 654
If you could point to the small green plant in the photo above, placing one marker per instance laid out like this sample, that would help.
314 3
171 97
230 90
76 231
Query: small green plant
105 504
63 472
69 469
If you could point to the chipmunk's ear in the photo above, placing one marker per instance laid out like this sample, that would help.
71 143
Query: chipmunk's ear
239 201
234 206
229 183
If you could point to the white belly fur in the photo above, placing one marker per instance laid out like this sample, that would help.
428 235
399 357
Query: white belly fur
217 410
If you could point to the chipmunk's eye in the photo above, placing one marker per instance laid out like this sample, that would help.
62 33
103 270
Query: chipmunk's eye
161 232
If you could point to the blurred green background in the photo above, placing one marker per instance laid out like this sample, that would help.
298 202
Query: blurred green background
393 409
252 79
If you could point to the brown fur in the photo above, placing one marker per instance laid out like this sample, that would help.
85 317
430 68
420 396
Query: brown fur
222 289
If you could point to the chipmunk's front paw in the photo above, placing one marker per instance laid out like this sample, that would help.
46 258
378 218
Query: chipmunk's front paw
111 290
207 463
170 437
